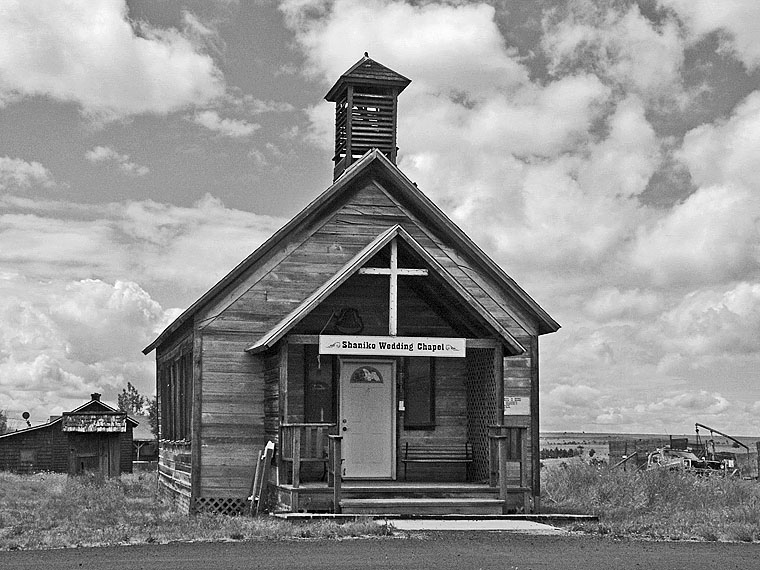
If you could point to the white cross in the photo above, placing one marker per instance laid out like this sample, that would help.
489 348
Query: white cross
393 272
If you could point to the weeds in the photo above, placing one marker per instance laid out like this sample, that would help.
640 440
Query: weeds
50 510
656 504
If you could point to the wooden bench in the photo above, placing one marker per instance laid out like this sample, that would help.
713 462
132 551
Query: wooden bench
437 453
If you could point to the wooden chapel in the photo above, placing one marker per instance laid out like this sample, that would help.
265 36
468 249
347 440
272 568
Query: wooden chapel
393 364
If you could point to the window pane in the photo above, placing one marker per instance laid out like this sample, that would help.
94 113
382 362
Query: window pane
319 387
420 411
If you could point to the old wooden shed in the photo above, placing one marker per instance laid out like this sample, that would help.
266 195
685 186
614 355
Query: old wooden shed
392 361
94 438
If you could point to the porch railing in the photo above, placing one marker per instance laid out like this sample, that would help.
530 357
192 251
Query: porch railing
508 460
301 444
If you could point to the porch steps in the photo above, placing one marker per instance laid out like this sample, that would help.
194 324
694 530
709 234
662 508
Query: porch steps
422 506
407 491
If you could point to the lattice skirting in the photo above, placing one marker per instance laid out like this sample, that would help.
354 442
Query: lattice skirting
220 505
482 407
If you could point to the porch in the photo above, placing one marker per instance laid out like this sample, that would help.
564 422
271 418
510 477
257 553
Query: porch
309 479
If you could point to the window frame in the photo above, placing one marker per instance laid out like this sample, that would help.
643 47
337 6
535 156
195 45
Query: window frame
430 422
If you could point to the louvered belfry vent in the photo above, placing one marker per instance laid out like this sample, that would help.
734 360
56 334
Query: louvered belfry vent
365 100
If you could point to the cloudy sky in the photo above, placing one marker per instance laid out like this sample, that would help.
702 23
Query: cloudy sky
604 153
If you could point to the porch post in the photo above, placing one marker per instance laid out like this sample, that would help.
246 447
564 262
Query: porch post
296 447
334 471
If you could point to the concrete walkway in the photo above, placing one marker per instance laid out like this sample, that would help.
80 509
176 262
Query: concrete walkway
518 526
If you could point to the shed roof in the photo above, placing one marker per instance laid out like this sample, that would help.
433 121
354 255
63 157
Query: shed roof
90 409
373 161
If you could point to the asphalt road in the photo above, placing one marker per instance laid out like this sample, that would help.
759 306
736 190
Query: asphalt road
439 551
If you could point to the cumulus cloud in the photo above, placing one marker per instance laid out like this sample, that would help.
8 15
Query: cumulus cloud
545 156
233 128
712 236
83 330
711 321
611 303
160 246
333 34
738 20
18 174
551 172
626 48
725 152
66 339
123 68
107 154
700 401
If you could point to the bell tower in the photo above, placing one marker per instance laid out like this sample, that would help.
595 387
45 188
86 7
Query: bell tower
365 100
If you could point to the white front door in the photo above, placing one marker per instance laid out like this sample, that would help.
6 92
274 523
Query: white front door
367 418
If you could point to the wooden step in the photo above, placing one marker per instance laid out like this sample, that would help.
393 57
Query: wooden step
422 506
420 491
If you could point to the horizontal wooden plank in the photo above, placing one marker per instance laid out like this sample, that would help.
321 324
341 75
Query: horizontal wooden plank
248 408
232 421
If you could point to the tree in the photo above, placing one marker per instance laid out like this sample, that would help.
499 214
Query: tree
131 401
3 421
153 415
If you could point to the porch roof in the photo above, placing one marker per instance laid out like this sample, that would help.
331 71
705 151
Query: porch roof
282 328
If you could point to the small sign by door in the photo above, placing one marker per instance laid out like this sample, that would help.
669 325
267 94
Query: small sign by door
393 346
516 405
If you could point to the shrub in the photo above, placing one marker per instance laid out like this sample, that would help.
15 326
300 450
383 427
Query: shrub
655 504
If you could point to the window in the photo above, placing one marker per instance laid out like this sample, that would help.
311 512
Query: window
419 393
175 377
319 386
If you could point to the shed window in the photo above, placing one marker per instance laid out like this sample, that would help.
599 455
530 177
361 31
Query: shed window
419 393
175 376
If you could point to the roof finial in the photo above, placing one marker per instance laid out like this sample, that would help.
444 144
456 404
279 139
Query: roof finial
366 54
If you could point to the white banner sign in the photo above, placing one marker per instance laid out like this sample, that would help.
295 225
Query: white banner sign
516 405
392 345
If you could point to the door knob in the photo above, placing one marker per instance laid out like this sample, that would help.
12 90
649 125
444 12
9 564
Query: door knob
345 428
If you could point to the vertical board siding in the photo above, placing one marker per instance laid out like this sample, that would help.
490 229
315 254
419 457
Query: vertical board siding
126 450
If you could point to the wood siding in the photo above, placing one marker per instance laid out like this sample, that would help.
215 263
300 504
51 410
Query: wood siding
245 397
41 449
47 448
174 457
232 414
521 379
450 424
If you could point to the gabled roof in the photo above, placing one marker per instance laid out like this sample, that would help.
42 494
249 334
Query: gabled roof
367 71
312 301
374 159
94 407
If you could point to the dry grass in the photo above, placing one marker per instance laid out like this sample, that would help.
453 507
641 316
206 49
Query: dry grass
50 510
657 504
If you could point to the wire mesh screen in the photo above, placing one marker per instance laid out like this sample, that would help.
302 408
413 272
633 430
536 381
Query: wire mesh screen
482 407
